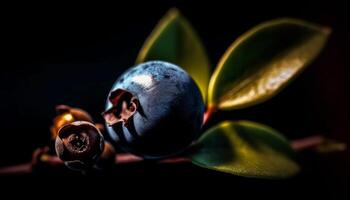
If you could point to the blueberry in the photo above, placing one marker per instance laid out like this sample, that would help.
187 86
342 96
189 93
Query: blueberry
154 110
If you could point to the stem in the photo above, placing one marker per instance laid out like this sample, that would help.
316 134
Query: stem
208 113
176 160
307 143
120 159
125 158
24 168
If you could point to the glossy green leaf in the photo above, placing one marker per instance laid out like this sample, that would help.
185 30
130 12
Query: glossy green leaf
246 149
174 40
263 60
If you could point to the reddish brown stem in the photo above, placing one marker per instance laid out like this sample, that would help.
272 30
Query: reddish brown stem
125 158
129 158
307 143
17 169
208 113
176 160
120 159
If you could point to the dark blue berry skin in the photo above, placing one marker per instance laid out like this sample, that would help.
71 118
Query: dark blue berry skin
169 113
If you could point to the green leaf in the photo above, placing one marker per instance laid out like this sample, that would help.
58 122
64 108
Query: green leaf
263 60
246 149
174 40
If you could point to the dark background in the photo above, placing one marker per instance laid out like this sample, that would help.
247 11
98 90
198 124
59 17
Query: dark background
65 54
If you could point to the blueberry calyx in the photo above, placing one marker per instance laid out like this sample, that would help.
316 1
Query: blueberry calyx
124 107
77 142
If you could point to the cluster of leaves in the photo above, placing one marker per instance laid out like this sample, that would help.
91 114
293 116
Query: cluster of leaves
254 68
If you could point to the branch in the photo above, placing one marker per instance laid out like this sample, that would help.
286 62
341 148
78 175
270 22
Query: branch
126 158
120 159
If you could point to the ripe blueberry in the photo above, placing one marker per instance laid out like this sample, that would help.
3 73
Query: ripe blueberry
154 110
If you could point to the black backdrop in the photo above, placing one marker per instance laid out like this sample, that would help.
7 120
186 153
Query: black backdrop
65 54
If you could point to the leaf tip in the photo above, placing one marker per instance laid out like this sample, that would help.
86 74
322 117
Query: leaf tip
170 16
173 13
327 30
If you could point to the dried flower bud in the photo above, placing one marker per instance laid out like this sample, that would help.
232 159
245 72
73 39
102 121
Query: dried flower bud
66 115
